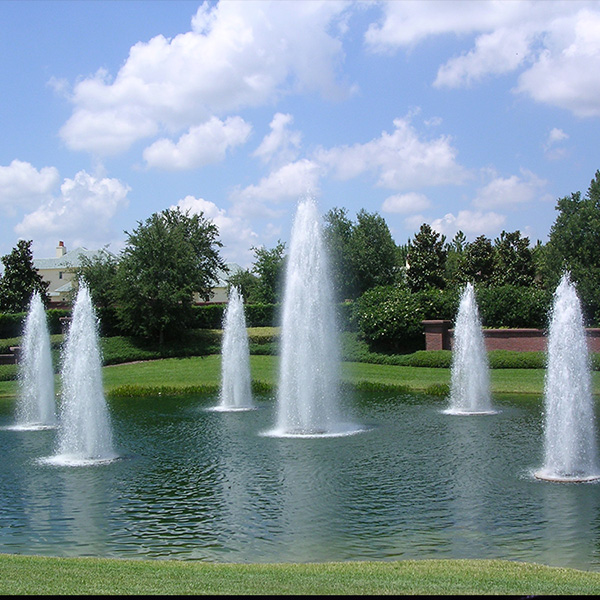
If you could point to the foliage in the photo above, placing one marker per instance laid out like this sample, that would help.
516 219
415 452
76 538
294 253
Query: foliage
574 245
269 268
513 260
167 259
373 252
389 317
20 279
426 260
100 276
455 259
362 255
245 281
478 264
514 306
337 232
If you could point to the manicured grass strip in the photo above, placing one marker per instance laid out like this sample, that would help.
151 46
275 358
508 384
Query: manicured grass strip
68 576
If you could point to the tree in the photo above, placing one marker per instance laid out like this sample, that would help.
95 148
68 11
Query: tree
455 259
268 266
100 275
20 279
337 232
167 259
513 260
373 252
426 260
246 282
478 263
574 245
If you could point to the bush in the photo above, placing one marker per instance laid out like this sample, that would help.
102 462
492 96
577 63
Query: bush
389 317
513 306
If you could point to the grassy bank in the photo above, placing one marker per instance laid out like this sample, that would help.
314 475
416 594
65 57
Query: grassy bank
68 576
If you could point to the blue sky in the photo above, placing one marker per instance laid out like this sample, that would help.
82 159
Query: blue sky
467 115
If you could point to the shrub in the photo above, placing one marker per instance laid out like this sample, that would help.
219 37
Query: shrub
513 306
389 317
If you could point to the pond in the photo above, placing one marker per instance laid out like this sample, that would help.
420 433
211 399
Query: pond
197 484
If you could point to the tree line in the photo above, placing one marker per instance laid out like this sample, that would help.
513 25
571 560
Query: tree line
148 290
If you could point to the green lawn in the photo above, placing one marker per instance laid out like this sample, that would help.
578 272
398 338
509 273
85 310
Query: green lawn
68 576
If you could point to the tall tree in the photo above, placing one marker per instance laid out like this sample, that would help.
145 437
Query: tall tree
455 259
269 266
478 263
426 260
574 244
167 259
513 260
373 251
337 231
20 279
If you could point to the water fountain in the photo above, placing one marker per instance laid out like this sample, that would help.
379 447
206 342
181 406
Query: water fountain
569 429
308 391
236 392
36 407
470 381
85 435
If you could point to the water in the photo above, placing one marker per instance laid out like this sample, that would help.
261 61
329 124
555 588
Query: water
36 405
236 391
84 434
194 484
308 392
470 380
570 435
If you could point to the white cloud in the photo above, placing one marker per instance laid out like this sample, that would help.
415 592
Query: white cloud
405 203
555 45
400 160
202 145
238 54
289 182
281 143
469 222
22 185
236 235
510 191
82 212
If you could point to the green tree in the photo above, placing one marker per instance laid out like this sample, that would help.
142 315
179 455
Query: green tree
574 245
337 232
426 260
167 259
100 275
20 279
513 260
246 282
455 258
373 252
269 267
478 263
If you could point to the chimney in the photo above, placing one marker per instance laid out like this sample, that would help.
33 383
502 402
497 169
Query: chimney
60 249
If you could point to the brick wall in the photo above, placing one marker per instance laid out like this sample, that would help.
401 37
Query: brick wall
439 336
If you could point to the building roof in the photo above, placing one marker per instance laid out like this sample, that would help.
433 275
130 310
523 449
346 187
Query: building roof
70 259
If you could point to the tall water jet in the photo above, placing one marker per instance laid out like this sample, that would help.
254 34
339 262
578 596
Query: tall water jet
85 435
236 392
470 380
308 391
569 427
36 406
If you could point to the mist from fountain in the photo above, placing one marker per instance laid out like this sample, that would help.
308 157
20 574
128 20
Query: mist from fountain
84 434
36 405
236 390
470 380
569 419
308 392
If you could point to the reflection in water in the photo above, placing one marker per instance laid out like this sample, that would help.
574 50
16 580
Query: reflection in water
205 485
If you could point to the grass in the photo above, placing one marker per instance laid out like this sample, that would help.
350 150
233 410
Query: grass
95 576
67 576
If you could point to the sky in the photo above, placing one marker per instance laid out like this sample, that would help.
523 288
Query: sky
467 115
